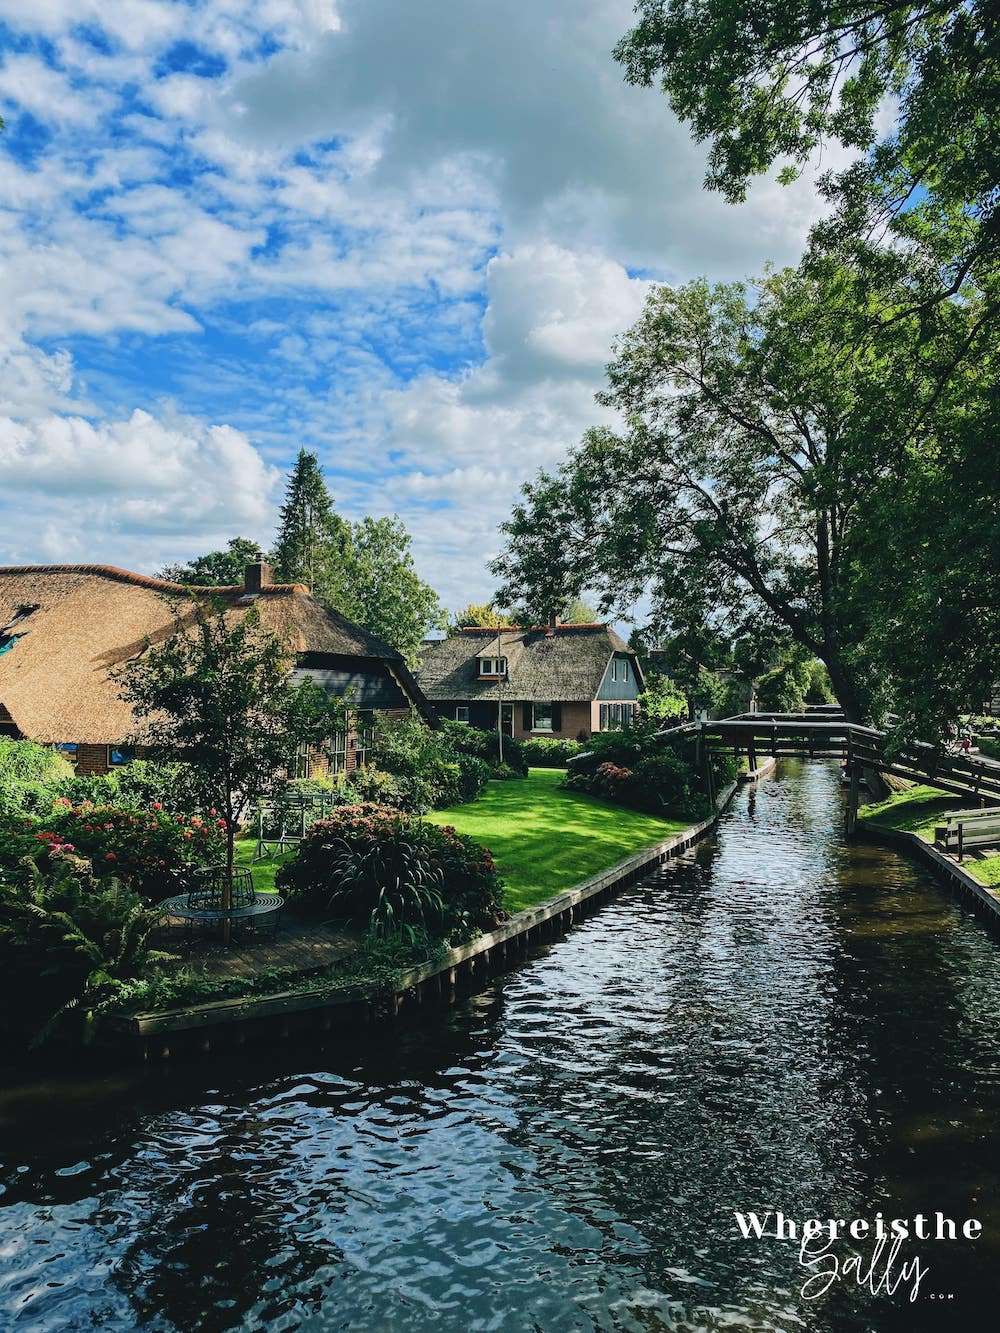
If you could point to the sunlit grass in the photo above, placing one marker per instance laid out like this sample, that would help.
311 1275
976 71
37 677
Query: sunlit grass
921 810
545 840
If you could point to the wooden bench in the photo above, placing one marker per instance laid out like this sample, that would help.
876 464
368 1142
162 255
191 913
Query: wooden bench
965 829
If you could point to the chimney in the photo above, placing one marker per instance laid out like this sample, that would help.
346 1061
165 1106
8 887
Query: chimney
258 575
553 624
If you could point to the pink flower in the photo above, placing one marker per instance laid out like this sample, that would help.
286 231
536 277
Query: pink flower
110 856
157 805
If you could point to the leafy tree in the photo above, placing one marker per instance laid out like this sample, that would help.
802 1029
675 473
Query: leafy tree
662 698
385 594
216 694
577 612
482 614
217 569
312 543
777 461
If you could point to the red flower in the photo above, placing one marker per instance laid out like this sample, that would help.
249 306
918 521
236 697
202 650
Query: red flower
110 856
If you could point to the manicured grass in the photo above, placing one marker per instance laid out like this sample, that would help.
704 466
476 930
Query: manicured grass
917 810
264 871
545 840
920 810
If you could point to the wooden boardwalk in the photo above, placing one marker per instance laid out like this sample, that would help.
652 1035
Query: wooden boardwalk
301 947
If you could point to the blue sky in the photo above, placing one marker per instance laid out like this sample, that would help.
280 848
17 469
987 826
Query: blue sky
403 236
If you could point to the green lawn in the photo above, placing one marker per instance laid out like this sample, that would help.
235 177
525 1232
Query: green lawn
545 840
264 871
919 810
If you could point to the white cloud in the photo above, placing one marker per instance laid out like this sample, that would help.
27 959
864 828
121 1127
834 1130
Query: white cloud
141 484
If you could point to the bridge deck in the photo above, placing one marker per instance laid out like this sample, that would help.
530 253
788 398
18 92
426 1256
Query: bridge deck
819 736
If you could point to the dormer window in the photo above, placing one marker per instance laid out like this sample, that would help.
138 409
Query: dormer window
492 666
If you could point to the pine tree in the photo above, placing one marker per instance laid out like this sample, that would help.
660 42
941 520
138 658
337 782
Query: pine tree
313 540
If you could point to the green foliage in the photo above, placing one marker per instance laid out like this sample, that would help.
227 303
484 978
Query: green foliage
392 875
485 745
639 768
27 773
797 76
384 593
68 943
578 612
484 614
149 850
787 454
549 751
217 569
662 698
139 785
819 689
217 692
312 541
418 769
783 690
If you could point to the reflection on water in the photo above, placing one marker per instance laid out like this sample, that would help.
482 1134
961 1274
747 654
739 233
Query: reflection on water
779 1020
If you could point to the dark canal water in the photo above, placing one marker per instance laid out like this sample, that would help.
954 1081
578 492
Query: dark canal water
779 1021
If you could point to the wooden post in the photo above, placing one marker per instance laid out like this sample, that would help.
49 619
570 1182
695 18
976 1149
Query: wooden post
852 802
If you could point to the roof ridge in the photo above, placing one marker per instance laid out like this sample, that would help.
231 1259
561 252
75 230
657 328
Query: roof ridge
147 580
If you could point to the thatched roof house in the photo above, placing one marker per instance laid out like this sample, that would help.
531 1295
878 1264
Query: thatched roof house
64 627
556 680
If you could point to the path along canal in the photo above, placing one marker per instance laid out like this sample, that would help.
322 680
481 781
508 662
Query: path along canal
779 1020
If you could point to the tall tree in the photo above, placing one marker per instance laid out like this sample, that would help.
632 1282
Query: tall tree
384 592
217 568
312 541
769 448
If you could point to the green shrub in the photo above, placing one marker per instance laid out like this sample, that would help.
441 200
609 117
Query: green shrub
149 850
638 767
27 772
392 875
485 745
549 751
68 944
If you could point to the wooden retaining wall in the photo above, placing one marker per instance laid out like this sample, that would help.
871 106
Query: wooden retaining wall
233 1022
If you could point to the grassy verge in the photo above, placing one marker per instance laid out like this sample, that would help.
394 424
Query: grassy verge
545 840
920 810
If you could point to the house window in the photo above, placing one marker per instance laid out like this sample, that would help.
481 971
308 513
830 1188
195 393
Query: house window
301 765
337 753
462 713
624 671
493 666
68 748
366 737
541 717
614 668
119 755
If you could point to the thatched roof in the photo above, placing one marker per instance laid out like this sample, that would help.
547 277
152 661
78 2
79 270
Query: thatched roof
565 663
79 621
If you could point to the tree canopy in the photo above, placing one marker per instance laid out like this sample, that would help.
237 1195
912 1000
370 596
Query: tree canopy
780 465
384 593
217 568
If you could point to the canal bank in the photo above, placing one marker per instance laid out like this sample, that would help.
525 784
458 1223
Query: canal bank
199 1028
777 1019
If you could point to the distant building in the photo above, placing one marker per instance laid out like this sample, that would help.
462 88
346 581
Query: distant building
63 628
562 680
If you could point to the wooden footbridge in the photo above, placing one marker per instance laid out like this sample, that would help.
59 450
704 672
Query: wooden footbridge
825 733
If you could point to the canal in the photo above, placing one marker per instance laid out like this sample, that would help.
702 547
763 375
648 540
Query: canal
780 1020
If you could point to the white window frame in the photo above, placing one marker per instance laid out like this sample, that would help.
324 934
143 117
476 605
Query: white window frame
459 710
493 666
337 753
614 668
625 669
534 717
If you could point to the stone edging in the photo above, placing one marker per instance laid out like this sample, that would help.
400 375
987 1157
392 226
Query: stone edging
984 899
